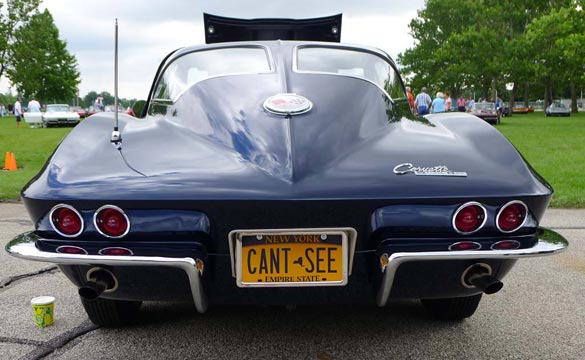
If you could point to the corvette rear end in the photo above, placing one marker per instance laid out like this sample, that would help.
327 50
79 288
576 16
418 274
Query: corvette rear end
284 172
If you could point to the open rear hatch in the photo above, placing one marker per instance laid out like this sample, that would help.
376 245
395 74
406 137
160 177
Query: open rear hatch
220 29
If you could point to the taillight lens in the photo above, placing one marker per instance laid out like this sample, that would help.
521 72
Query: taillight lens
506 245
465 245
68 249
511 216
66 221
469 218
116 251
111 221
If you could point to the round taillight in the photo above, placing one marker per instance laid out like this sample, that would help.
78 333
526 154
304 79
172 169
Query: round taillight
511 216
116 251
66 221
69 249
506 245
465 245
111 221
469 218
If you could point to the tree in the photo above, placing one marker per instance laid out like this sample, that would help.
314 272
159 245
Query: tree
41 64
14 14
474 44
558 40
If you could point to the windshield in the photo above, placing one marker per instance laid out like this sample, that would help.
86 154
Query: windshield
194 67
485 106
57 108
350 62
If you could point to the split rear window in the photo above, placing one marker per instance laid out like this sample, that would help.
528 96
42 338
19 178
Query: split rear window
194 67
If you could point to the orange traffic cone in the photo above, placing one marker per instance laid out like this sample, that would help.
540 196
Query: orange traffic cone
7 161
12 166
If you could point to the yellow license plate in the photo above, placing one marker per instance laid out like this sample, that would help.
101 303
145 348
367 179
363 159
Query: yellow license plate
307 258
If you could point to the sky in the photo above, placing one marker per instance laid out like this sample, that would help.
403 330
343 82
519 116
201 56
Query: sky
149 30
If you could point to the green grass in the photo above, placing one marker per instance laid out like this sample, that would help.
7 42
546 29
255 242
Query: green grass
555 147
31 147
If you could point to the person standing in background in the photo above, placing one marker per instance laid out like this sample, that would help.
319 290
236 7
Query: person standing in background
410 98
423 102
18 111
461 104
448 102
34 106
470 103
439 103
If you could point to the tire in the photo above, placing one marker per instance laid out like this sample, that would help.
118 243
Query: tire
111 313
452 309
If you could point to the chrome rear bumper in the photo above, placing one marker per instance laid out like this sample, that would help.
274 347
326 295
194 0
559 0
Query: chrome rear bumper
23 246
549 243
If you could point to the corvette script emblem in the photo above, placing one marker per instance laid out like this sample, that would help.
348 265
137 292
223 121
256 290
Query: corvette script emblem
288 104
439 170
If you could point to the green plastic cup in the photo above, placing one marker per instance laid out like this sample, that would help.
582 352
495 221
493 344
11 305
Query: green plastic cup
43 307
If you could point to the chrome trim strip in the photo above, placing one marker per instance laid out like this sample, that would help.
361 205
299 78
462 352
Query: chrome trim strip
500 213
549 243
114 208
59 206
351 234
475 203
23 246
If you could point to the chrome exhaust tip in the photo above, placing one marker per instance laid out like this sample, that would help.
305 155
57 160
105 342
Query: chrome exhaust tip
99 280
480 276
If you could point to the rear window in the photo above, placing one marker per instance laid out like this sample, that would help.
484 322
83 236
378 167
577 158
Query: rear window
351 62
194 67
57 108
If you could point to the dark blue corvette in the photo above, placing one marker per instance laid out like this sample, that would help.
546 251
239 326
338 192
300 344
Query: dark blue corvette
284 172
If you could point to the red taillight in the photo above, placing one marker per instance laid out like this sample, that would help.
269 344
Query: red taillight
66 221
465 245
68 249
512 216
111 221
469 218
116 251
506 245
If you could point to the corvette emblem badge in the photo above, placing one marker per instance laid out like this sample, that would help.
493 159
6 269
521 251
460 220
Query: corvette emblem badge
288 104
439 170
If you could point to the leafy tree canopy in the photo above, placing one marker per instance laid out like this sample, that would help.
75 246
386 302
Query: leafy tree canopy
41 65
14 14
482 45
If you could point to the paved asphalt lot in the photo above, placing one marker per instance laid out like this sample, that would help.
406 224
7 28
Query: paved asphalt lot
540 314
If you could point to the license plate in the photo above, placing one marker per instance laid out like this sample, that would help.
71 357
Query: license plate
291 258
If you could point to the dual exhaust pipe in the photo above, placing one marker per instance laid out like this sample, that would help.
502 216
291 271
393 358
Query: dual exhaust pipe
480 276
99 280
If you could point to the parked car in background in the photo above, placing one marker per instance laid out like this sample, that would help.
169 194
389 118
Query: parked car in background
237 187
557 109
79 110
486 111
520 108
59 114
111 108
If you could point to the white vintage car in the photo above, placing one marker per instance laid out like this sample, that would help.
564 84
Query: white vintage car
59 114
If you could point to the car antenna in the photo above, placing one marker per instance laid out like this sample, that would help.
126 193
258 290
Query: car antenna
116 136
